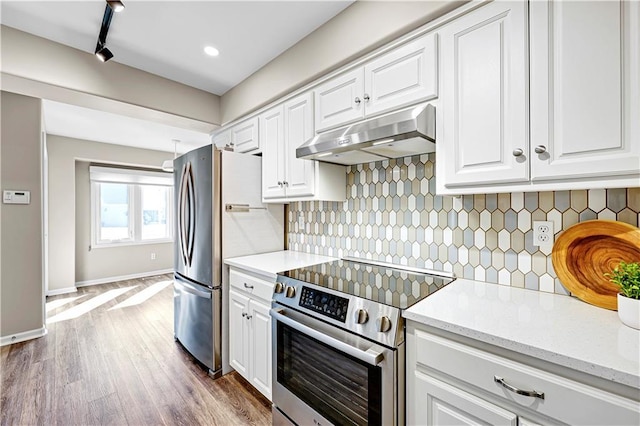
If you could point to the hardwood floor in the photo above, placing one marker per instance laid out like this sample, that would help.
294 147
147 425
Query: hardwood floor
110 358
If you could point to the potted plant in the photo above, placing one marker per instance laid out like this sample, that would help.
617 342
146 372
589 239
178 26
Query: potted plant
627 277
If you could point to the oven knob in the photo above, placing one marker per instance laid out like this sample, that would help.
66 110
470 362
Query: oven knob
361 316
383 324
291 292
279 288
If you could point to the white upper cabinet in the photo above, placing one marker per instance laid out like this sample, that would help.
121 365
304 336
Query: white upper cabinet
221 139
245 137
482 133
403 76
576 127
339 100
298 124
284 176
273 155
585 115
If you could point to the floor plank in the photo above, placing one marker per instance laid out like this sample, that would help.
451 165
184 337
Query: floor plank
118 363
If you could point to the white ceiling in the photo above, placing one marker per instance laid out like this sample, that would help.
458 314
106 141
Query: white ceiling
167 38
90 124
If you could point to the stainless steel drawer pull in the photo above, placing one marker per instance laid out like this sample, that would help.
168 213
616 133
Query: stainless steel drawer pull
532 393
247 285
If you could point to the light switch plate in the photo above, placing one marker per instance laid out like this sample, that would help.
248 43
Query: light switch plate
16 197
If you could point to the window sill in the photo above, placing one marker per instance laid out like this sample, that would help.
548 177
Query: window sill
129 244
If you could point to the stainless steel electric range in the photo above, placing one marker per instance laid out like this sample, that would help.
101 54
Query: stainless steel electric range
338 341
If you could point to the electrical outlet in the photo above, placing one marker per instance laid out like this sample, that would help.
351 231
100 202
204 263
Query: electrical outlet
153 256
542 233
301 221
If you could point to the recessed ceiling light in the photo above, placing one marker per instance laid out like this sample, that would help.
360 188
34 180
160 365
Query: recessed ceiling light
211 51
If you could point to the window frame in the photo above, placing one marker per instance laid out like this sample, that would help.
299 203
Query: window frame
135 217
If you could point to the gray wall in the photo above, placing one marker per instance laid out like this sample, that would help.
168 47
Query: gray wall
101 263
56 67
63 153
21 288
359 29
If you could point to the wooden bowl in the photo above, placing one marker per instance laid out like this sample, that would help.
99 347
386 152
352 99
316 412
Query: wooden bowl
586 251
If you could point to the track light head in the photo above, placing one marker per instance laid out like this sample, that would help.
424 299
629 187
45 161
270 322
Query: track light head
104 54
116 5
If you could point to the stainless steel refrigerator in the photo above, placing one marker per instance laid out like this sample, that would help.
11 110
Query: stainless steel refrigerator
206 181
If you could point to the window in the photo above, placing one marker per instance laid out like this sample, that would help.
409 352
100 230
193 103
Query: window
130 206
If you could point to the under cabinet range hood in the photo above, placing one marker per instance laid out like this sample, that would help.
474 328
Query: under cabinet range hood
400 134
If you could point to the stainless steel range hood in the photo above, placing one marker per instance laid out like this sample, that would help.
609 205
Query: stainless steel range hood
400 134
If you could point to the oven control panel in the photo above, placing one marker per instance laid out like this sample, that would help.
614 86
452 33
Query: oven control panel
327 304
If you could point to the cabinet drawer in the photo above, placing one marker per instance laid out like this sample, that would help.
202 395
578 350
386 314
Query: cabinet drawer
564 399
252 285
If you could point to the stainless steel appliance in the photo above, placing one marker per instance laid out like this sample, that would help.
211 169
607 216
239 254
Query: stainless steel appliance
338 347
399 134
205 180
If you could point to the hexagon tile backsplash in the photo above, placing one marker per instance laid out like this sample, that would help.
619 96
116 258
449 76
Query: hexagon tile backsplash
392 215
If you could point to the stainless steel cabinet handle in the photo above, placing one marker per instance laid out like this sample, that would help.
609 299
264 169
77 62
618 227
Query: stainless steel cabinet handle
366 97
248 286
531 393
357 100
540 149
518 152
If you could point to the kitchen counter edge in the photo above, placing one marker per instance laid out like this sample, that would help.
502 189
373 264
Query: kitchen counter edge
555 328
269 264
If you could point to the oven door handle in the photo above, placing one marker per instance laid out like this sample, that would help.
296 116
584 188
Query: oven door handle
370 356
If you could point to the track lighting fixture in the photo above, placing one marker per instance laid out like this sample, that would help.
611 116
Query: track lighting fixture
102 52
116 5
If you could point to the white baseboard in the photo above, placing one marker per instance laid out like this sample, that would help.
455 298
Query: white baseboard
21 337
61 291
122 278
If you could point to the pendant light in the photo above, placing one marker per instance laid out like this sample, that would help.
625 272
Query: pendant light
167 165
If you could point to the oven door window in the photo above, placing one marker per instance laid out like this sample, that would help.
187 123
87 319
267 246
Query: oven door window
341 388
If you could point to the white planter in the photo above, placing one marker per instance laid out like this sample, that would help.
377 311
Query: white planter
629 311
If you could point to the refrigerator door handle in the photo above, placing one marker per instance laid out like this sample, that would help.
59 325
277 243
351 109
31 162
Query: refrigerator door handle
186 287
182 194
192 213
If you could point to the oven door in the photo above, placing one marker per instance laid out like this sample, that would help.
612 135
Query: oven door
324 375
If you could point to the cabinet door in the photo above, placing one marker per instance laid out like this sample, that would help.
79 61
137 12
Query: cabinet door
238 333
482 128
340 100
585 97
436 403
403 76
245 137
298 123
260 347
273 162
221 139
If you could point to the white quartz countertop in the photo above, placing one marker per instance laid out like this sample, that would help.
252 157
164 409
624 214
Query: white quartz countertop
269 264
555 328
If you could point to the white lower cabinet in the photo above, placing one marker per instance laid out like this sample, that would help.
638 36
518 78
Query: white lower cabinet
439 403
250 329
452 382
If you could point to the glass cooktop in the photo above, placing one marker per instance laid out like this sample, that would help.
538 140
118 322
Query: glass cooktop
382 283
